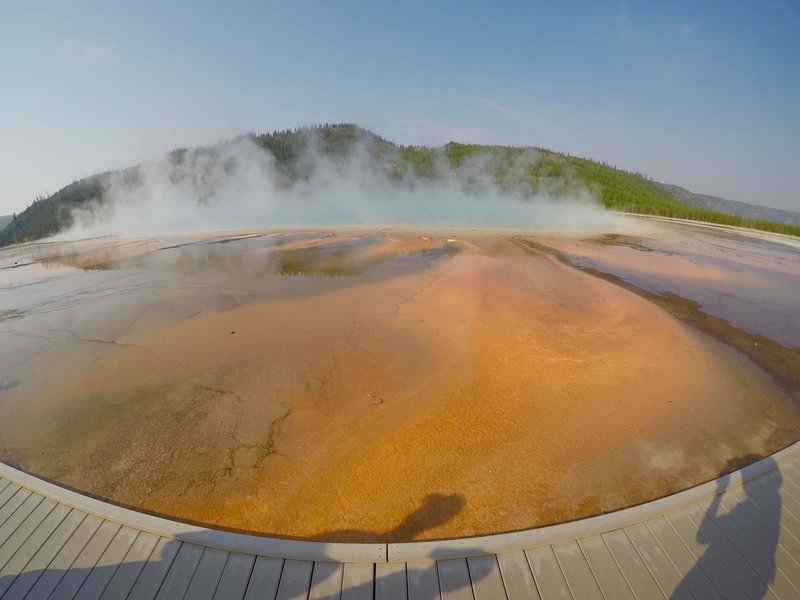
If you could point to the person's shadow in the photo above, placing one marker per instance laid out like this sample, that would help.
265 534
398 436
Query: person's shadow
435 510
760 510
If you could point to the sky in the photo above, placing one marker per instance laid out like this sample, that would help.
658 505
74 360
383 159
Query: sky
705 95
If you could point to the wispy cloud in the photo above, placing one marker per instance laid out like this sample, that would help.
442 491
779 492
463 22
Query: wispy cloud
687 28
503 109
85 51
417 130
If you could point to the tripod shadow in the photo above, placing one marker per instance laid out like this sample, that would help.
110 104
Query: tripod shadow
760 509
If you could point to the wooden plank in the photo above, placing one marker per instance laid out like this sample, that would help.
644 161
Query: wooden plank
21 505
48 579
605 569
706 556
77 573
423 580
454 582
390 581
755 531
580 580
358 581
742 570
235 577
487 582
108 563
27 567
517 576
790 508
209 572
547 574
131 567
295 580
33 532
265 578
772 516
326 581
692 574
650 555
181 572
789 484
155 570
6 494
3 484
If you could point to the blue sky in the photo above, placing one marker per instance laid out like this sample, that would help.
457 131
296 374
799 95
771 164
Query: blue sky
701 94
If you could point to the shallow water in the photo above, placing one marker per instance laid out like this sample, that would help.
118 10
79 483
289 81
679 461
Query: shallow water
373 385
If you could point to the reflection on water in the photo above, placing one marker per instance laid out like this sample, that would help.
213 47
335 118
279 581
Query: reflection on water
322 383
753 284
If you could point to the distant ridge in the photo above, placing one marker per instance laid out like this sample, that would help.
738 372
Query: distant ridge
521 171
5 220
731 207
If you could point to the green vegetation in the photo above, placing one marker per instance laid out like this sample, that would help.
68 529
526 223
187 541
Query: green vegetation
48 216
520 171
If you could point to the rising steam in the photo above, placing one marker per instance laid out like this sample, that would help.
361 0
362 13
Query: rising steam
237 184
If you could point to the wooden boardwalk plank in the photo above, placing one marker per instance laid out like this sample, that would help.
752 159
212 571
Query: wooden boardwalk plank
19 507
181 572
790 508
487 582
209 572
696 579
109 563
131 567
663 576
50 578
295 579
8 492
610 579
454 582
326 581
517 576
72 581
390 581
742 570
749 529
423 580
547 573
789 484
636 573
25 567
265 578
33 532
358 581
793 469
235 577
576 571
155 570
775 520
706 556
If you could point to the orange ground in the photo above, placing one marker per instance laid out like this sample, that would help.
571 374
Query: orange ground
492 390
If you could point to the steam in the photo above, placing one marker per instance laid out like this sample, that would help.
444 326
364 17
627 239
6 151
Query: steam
237 184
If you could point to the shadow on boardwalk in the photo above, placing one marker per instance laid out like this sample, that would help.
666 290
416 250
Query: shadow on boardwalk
178 569
758 519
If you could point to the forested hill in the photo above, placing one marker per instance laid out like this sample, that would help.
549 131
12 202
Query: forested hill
5 220
731 207
522 171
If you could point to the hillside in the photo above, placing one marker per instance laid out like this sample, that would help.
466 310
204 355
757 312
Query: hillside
731 207
521 171
5 220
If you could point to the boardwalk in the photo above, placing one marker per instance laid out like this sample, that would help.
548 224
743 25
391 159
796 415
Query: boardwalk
737 537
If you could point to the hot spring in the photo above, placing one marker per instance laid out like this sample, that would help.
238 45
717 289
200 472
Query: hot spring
397 384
